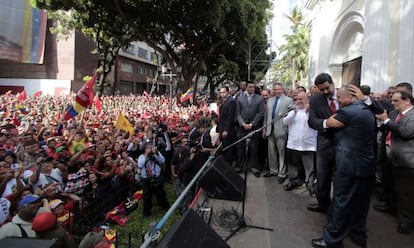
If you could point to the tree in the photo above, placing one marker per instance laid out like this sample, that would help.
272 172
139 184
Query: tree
187 33
293 66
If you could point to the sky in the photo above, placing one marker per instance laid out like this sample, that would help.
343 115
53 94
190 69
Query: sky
280 23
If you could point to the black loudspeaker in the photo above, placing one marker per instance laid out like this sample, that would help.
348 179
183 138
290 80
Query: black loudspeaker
191 231
12 242
221 181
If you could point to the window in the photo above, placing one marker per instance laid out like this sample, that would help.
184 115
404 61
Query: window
154 58
130 50
143 71
142 53
126 67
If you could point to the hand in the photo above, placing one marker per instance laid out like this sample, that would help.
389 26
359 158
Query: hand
332 122
224 134
264 134
355 91
383 116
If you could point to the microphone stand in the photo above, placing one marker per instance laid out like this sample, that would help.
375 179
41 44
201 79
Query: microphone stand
242 221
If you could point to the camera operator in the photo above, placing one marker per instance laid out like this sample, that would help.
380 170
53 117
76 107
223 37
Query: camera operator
150 164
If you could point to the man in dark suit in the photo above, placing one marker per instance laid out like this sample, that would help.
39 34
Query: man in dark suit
322 106
225 126
249 116
355 169
400 154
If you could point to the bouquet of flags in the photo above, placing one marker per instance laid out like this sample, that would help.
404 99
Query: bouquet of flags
84 99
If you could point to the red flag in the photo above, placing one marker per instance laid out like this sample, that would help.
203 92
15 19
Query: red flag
84 97
22 96
98 105
37 94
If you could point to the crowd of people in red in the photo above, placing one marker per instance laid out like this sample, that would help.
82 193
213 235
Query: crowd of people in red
61 166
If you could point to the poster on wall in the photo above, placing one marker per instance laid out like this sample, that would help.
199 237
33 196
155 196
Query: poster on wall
22 31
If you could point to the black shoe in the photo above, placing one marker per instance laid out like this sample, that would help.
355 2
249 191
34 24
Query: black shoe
280 180
290 186
256 174
146 215
269 174
314 207
383 208
405 228
320 243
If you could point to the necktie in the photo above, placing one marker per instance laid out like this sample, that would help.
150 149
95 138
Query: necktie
389 135
332 106
274 107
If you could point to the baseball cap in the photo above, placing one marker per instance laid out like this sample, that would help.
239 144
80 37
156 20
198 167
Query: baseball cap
28 199
43 222
54 203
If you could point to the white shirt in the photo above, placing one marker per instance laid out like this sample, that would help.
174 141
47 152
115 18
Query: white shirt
300 136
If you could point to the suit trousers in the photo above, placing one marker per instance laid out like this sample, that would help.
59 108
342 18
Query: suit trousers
228 155
349 209
404 194
276 148
325 165
249 160
301 166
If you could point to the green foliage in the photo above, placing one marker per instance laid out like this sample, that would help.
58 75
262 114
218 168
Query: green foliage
192 34
138 226
293 66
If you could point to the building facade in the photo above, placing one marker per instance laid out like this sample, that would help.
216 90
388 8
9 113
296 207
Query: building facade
68 60
362 41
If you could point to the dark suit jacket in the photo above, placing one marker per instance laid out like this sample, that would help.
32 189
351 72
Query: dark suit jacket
227 114
354 143
318 112
402 139
250 113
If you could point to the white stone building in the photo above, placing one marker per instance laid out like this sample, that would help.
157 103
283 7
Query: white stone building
362 41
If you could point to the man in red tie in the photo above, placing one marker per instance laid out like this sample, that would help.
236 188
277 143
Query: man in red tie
322 106
400 153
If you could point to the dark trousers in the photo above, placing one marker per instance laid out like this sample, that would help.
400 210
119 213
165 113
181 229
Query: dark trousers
228 155
168 156
387 179
404 194
325 165
252 161
349 209
150 188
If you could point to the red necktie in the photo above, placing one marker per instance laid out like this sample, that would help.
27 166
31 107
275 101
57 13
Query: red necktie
332 106
389 135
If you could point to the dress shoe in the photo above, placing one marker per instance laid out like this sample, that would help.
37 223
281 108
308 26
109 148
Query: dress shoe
280 180
269 174
320 243
404 228
314 207
256 174
290 186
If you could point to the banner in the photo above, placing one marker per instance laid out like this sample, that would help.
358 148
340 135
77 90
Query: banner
22 31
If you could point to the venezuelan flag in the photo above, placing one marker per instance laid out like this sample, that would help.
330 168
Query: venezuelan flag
34 31
187 95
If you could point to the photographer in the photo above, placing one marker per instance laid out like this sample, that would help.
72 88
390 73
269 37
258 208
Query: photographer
150 165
